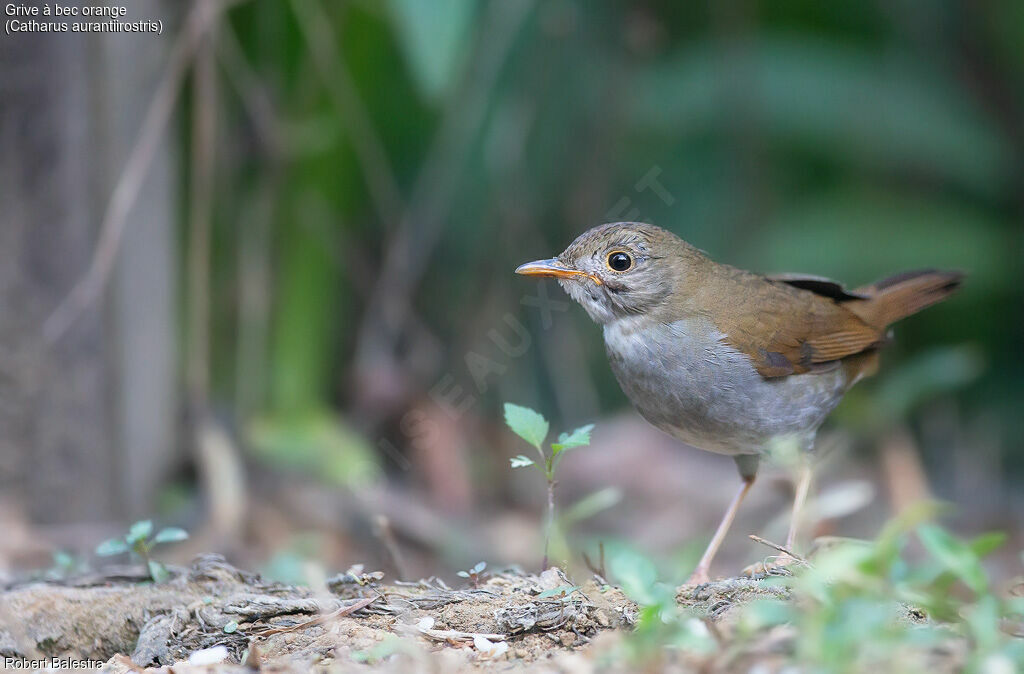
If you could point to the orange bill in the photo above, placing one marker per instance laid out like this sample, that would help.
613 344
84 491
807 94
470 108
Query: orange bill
554 268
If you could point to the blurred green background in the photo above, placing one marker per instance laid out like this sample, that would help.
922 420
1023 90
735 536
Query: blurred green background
347 187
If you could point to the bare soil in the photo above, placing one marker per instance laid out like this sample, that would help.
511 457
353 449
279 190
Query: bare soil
507 622
123 620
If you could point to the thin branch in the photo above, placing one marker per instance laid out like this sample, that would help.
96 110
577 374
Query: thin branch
320 620
87 289
204 115
781 548
410 249
254 240
380 177
253 248
255 98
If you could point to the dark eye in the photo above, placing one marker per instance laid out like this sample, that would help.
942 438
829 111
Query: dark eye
619 261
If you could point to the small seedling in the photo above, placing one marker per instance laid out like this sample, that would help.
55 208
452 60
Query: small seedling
532 427
138 542
475 575
65 565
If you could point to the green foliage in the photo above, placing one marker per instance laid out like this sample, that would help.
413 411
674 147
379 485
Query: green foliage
139 541
858 606
390 645
434 37
909 385
65 565
316 442
638 577
806 92
295 561
661 622
590 505
533 427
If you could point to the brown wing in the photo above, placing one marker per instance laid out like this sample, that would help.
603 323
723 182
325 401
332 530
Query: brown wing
795 324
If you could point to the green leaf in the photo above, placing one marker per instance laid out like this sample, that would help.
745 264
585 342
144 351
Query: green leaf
955 555
578 438
231 627
763 613
170 535
480 566
462 574
925 376
318 442
636 574
591 504
158 572
987 543
113 546
520 461
434 37
983 619
140 531
527 424
389 646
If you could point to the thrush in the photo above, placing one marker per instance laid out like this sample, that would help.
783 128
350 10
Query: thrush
727 360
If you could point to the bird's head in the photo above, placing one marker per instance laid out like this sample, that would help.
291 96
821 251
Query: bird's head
620 269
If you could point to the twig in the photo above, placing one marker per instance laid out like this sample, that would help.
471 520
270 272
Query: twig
382 530
380 178
253 332
598 570
410 249
320 620
780 548
88 287
256 101
204 119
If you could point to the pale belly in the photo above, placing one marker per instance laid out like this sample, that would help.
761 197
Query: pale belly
686 381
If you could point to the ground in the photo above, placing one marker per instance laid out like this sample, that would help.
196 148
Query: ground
505 622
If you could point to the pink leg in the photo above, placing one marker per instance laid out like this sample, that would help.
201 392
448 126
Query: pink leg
700 574
803 485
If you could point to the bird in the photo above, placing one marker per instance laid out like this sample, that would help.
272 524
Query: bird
727 360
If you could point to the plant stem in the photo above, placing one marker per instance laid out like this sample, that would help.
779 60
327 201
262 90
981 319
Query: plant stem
549 524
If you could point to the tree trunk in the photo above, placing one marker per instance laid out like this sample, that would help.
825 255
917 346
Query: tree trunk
85 420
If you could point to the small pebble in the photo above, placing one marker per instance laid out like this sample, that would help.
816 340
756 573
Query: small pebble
568 639
520 653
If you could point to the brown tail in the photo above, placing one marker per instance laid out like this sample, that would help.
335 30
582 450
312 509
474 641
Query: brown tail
904 294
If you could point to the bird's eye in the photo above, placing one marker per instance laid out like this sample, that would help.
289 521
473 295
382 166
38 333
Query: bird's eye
619 261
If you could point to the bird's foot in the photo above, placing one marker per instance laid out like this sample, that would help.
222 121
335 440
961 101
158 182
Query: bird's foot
774 566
